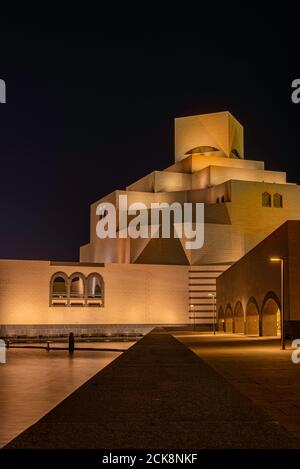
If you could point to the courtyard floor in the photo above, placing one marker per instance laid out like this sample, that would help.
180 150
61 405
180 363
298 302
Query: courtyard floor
257 367
159 394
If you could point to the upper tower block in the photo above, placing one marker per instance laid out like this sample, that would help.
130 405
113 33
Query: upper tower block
218 134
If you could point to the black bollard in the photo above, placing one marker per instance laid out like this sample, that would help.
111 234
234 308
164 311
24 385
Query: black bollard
71 342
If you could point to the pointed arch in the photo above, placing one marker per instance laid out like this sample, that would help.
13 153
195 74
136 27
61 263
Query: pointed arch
252 317
228 319
277 200
95 289
59 289
238 318
271 315
77 285
266 199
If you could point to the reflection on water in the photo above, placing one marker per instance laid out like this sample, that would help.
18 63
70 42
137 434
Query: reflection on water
32 382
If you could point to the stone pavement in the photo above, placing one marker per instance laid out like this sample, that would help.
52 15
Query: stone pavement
158 394
258 368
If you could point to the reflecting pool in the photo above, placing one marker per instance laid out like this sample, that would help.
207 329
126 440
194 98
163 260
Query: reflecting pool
32 382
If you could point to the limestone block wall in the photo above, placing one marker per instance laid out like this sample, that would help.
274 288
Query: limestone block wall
257 222
144 184
253 276
162 181
294 270
194 163
215 175
85 253
134 295
218 175
223 243
246 286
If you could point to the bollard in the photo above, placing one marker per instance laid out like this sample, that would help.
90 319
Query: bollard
71 342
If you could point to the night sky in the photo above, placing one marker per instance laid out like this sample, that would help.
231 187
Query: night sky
91 101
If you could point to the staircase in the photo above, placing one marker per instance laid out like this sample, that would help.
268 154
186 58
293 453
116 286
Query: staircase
202 283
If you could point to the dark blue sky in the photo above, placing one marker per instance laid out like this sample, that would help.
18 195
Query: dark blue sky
91 101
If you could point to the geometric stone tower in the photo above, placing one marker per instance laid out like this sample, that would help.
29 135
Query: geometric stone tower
217 133
243 203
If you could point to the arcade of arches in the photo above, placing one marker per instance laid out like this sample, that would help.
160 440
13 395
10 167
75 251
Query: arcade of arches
251 320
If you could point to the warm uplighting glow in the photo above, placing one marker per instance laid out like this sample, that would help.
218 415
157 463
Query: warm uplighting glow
282 318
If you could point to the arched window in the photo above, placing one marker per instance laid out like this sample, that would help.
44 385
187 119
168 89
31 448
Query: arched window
95 290
76 290
277 200
59 289
223 198
77 286
202 149
266 199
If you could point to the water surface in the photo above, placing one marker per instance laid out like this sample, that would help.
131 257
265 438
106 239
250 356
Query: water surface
32 382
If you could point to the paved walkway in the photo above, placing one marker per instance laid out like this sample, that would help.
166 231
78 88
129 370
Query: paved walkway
158 394
258 368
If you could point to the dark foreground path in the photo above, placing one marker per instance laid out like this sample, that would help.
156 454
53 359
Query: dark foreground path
158 394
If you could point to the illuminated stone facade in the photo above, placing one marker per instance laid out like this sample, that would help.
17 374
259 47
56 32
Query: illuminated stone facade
249 292
244 203
148 282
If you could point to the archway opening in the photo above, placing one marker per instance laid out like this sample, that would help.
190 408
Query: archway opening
252 320
271 318
59 287
228 319
94 286
77 286
238 319
95 290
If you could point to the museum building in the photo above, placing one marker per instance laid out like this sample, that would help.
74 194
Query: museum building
129 286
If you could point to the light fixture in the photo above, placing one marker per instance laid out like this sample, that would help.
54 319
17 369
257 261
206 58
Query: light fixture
281 260
213 296
192 306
